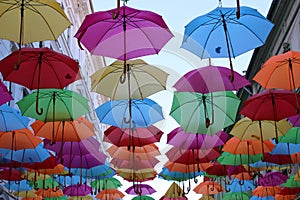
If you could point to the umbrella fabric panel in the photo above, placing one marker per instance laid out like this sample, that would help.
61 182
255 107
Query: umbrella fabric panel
11 119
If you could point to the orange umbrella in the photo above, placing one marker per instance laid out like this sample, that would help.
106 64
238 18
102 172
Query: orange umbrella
179 167
263 191
208 188
243 176
110 194
33 198
280 71
75 131
285 197
50 193
19 139
251 147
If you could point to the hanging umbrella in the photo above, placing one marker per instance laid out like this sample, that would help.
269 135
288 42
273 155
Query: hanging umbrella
285 197
280 71
69 180
260 165
262 198
238 159
26 194
140 189
208 188
224 170
23 19
280 159
186 168
105 184
142 198
103 35
236 196
295 120
142 80
18 185
174 192
58 105
210 79
206 197
48 163
134 163
184 140
65 131
11 174
110 194
77 190
286 148
204 113
132 137
11 119
81 198
85 161
130 113
45 183
237 185
262 191
4 94
272 179
137 175
99 171
50 193
291 183
292 136
178 176
218 34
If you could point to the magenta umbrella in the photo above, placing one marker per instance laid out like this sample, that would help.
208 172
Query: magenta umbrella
184 140
4 94
272 179
140 189
77 190
85 161
210 79
295 120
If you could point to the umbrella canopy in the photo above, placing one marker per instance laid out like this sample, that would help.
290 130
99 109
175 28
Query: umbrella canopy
57 105
208 188
204 113
238 159
218 34
206 197
142 80
80 198
11 119
295 120
18 185
272 179
61 131
23 19
184 140
110 194
77 190
262 191
291 136
140 189
134 162
291 183
142 198
4 94
107 183
174 192
103 35
286 148
210 79
246 129
137 175
39 68
133 137
224 170
130 113
99 171
262 198
280 71
177 176
50 193
237 185
44 183
85 161
236 196
26 194
69 180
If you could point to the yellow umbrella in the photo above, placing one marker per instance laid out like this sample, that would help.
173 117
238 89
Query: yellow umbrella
174 191
206 197
297 176
34 176
141 80
26 194
137 175
81 198
246 129
27 21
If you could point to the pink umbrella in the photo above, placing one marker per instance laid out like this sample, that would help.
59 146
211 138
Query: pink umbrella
210 79
77 190
140 189
184 140
4 94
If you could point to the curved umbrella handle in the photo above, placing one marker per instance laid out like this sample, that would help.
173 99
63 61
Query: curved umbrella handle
116 14
241 182
39 112
238 9
227 189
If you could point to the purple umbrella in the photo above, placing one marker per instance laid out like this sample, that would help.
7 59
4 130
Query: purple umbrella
140 189
77 190
86 146
210 79
4 94
184 140
272 179
295 120
85 161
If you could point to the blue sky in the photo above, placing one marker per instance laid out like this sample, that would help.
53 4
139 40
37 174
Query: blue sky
178 61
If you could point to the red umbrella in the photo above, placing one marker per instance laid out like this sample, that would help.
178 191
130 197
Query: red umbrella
224 170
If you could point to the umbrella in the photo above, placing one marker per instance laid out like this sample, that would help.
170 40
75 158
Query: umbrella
134 162
4 94
174 192
132 137
69 180
262 198
11 174
285 197
80 198
237 185
272 179
50 193
184 140
26 194
204 113
23 18
11 119
291 183
44 183
286 148
101 171
142 198
262 191
18 185
280 71
86 161
236 196
142 80
224 170
208 188
140 189
110 194
137 175
206 197
57 104
61 131
218 34
292 136
107 183
210 79
77 190
186 168
117 38
238 159
177 176
130 113
295 120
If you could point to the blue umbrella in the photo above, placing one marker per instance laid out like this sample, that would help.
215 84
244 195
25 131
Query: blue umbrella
130 113
18 185
69 180
237 185
178 176
285 148
100 171
219 34
11 119
38 154
262 198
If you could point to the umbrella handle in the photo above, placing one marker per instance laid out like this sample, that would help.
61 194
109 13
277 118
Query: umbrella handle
116 14
39 112
241 182
227 189
238 9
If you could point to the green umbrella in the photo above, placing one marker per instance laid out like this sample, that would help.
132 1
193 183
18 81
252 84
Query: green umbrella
291 183
291 136
57 105
238 159
204 113
142 198
106 184
44 184
236 196
56 198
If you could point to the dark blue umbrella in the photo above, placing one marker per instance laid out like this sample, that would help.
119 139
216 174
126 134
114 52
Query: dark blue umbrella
130 113
219 34
11 119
